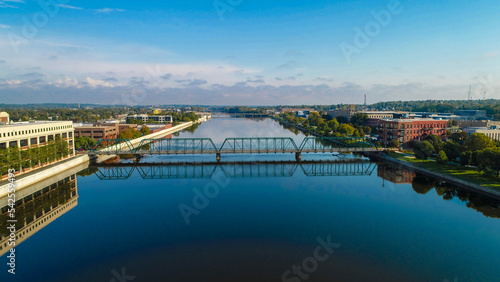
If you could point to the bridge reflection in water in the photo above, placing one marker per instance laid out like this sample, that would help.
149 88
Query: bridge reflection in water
235 169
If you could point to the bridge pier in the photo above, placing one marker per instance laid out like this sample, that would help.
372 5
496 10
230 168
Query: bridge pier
298 156
218 157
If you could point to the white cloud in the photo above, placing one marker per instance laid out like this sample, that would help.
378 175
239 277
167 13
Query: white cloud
5 5
67 82
108 10
4 26
96 82
56 44
69 7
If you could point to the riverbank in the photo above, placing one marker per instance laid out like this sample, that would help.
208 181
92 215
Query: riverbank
49 171
452 175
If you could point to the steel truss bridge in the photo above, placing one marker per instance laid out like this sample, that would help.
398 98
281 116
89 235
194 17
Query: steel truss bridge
235 169
273 145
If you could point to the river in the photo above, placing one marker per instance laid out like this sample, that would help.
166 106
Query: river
343 219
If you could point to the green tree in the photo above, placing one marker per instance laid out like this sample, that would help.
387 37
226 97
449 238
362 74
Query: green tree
436 142
441 158
489 162
423 150
394 143
346 129
459 137
333 124
465 158
479 142
359 119
85 142
145 130
452 150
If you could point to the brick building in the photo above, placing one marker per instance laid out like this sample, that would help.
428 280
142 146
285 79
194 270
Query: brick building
406 130
102 130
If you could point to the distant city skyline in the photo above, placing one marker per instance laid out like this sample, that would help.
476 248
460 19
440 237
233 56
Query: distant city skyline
245 53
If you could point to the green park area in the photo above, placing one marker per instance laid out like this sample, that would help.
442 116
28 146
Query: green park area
470 174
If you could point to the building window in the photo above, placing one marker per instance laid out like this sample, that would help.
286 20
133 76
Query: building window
70 134
13 144
50 137
42 139
70 143
65 135
24 142
3 145
33 141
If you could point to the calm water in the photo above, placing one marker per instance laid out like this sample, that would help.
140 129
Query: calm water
255 222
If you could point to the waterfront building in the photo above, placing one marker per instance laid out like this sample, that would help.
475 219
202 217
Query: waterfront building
35 133
406 130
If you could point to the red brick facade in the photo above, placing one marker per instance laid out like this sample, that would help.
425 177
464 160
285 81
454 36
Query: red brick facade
406 130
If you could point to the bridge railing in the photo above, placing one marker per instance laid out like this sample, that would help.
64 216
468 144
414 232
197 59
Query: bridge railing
176 146
332 144
264 145
258 145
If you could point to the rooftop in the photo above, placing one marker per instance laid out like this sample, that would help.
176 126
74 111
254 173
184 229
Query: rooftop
410 119
27 123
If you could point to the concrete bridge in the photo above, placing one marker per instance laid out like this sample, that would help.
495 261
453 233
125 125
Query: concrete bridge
273 145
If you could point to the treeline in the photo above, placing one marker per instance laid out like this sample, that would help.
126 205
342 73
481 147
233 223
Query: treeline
15 158
491 106
478 150
80 115
327 126
177 118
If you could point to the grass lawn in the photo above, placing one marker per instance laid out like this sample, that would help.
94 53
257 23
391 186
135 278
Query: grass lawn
467 174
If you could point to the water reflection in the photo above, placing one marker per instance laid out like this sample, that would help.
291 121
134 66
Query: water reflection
486 205
38 207
236 169
394 174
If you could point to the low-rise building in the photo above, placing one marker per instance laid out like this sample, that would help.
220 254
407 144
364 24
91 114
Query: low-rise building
35 133
407 130
4 118
471 114
99 131
371 114
31 136
146 118
492 133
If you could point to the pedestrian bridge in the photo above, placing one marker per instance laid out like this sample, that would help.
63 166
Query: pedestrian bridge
235 169
273 145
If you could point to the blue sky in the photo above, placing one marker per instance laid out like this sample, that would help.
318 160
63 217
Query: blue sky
247 52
